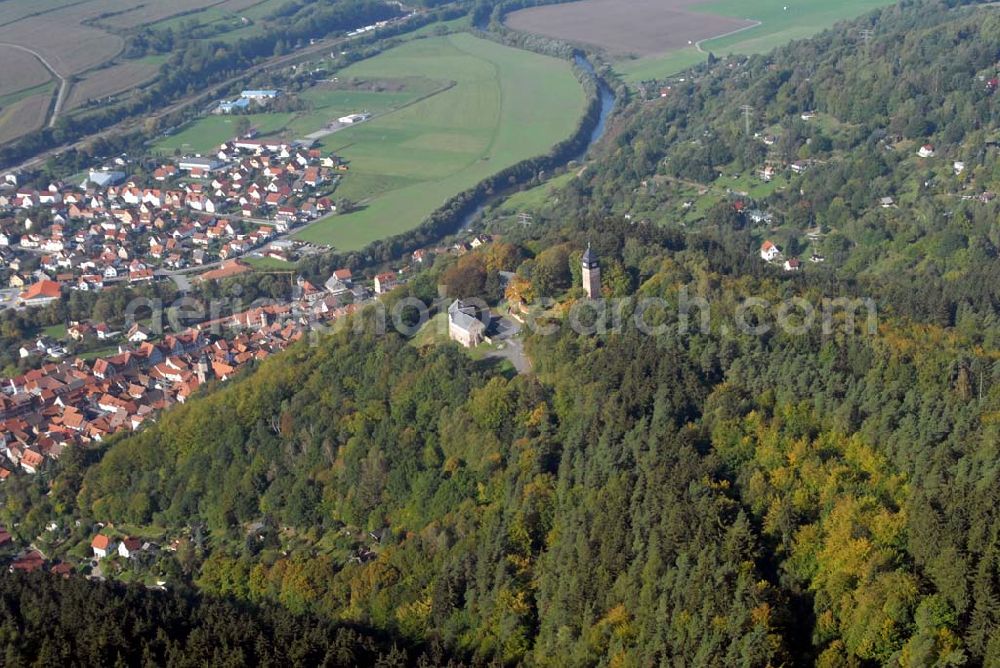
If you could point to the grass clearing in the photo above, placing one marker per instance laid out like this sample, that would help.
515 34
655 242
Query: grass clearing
780 25
535 198
506 105
657 67
57 332
269 264
433 332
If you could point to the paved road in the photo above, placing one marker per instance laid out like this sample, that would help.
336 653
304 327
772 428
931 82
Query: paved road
509 346
8 298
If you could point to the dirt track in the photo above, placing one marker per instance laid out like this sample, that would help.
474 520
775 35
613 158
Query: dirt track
637 27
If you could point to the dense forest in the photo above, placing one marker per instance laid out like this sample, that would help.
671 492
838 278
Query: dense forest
49 621
705 495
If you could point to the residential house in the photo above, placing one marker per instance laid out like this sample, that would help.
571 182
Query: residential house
129 547
385 282
102 546
769 252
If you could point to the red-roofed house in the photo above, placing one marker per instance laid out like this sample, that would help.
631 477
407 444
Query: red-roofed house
102 546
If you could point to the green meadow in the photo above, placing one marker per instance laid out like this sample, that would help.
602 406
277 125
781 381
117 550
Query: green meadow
537 197
503 105
206 134
779 26
323 105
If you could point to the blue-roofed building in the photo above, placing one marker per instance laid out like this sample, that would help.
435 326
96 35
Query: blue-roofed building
228 107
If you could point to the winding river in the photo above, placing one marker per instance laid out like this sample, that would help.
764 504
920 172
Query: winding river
607 104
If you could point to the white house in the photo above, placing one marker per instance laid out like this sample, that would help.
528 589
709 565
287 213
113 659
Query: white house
385 282
138 334
129 547
259 95
769 252
926 151
102 546
197 162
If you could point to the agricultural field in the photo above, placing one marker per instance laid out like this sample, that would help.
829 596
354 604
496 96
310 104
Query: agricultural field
25 115
111 80
21 71
69 49
506 105
13 10
638 28
81 42
651 39
149 13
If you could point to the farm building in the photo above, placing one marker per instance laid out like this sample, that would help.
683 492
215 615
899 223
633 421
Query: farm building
228 107
354 118
205 164
103 178
259 95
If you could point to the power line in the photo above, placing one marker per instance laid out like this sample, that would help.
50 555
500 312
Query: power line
867 34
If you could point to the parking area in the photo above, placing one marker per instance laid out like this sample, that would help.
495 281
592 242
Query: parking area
8 298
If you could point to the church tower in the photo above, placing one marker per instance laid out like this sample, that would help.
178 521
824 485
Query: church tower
591 274
202 369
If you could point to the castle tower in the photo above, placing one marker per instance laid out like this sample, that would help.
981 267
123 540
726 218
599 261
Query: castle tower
591 274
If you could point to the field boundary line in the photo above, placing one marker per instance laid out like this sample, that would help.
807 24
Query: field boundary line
697 45
499 82
43 12
63 81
